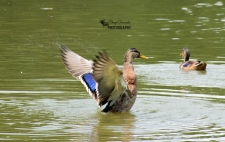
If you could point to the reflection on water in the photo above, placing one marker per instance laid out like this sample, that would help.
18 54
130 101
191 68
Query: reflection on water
152 118
170 74
112 126
40 101
177 118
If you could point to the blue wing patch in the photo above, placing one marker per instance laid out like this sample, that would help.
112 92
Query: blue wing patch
186 64
89 81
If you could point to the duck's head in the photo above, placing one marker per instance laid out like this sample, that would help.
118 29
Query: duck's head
133 53
185 54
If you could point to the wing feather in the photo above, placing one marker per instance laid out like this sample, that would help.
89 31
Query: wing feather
109 77
75 64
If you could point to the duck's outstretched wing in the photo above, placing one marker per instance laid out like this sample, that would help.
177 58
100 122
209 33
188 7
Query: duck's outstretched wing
74 63
109 78
81 69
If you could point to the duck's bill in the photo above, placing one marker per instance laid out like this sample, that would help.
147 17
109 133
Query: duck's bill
181 54
143 56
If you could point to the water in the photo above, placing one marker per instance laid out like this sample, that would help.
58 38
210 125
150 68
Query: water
39 100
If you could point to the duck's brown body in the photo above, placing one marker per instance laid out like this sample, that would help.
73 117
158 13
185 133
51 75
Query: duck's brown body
193 65
124 104
128 98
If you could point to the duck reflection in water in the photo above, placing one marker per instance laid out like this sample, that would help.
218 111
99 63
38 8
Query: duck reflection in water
113 127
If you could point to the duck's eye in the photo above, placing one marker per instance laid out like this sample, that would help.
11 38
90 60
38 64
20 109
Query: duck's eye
135 50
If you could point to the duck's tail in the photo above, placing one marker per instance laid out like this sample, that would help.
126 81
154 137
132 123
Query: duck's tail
200 65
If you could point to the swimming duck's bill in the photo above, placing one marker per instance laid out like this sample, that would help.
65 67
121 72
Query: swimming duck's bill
143 56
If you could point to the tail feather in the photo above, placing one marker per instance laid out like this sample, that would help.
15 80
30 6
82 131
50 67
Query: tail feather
200 65
108 107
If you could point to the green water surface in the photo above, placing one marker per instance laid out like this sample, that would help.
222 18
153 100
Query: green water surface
41 101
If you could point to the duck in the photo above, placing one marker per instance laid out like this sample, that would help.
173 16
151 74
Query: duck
191 65
113 88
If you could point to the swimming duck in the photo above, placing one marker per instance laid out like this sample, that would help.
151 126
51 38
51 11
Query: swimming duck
108 85
191 65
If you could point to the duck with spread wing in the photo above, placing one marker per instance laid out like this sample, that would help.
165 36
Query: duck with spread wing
108 85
